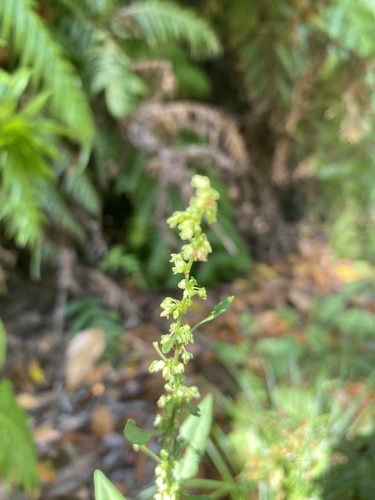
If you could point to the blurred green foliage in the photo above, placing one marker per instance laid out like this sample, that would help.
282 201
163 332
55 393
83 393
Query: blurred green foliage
18 465
302 411
302 70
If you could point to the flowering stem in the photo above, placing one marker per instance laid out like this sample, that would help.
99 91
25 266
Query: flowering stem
176 402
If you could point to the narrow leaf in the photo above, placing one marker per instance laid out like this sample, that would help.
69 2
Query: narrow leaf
104 489
195 432
217 310
136 435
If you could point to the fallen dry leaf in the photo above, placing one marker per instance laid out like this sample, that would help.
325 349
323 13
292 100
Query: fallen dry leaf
46 435
301 300
46 472
270 323
83 351
27 401
102 421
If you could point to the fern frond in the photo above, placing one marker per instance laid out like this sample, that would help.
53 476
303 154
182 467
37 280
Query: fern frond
139 229
165 22
119 260
157 124
111 72
27 143
192 80
78 186
74 28
58 211
17 456
30 41
98 9
352 28
130 178
157 270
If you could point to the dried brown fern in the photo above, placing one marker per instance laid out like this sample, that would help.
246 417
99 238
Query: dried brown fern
158 73
300 105
357 122
157 125
155 129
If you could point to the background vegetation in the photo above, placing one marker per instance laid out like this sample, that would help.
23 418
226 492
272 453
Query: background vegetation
78 81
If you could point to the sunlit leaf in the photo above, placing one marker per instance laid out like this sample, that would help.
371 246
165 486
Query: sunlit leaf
136 435
104 489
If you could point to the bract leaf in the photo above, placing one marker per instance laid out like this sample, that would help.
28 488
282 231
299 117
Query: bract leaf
217 310
136 435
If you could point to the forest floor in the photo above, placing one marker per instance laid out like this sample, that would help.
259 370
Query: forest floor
78 408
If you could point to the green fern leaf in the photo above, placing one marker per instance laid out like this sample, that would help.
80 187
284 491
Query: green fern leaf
118 260
80 189
111 73
27 142
58 211
129 179
30 41
74 27
17 456
140 224
352 28
98 9
161 22
192 81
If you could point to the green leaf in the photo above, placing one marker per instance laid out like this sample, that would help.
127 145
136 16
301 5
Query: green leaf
136 435
3 343
18 464
217 310
195 432
104 489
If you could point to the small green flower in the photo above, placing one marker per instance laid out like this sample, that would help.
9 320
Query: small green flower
181 266
170 307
